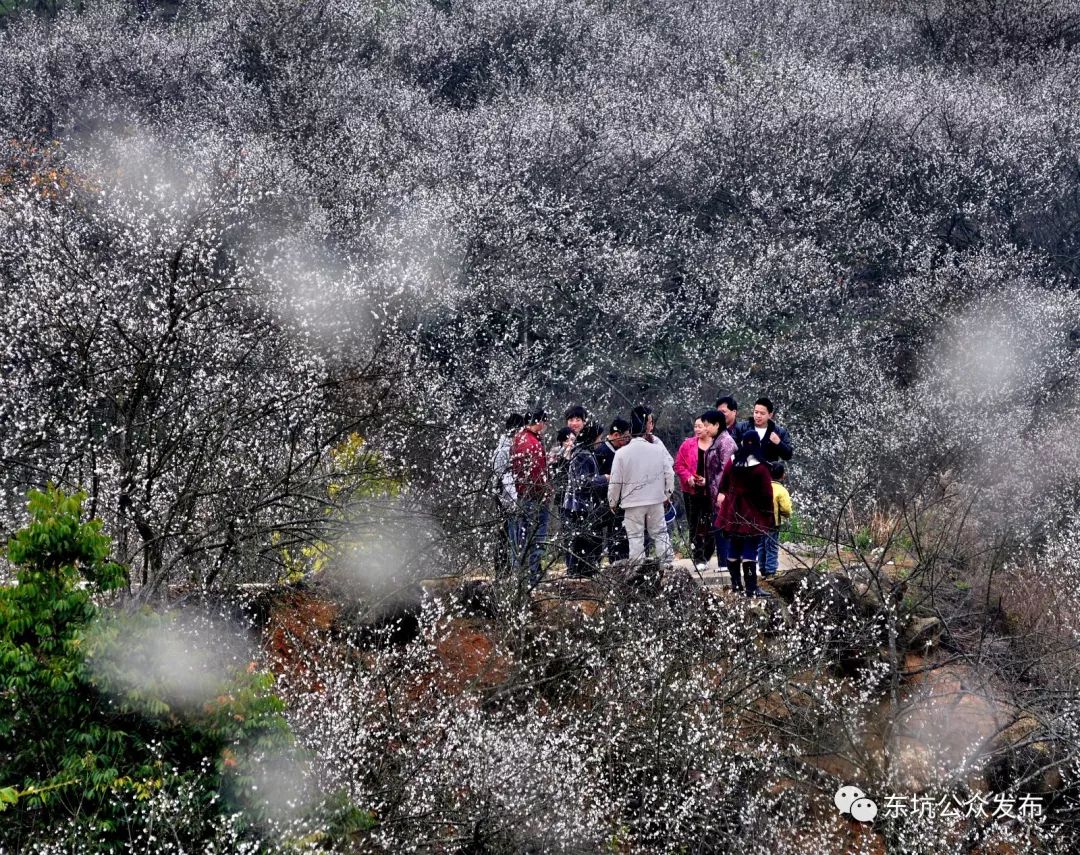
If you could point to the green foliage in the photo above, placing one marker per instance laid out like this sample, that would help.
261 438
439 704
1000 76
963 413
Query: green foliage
344 820
903 542
795 531
77 740
44 684
355 473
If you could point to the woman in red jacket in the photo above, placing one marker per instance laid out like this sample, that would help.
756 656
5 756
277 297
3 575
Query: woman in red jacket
745 503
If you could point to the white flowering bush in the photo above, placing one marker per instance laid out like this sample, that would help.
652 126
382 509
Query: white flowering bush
653 725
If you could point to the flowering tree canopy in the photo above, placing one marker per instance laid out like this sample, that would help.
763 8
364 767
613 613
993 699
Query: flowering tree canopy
274 274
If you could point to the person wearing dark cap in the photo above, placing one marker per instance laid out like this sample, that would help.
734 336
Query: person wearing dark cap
585 490
611 521
745 511
642 481
500 463
528 461
618 435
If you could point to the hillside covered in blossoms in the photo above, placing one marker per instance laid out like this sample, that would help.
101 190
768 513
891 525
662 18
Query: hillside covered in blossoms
272 277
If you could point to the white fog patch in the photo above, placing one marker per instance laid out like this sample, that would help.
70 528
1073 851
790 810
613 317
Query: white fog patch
418 249
146 173
412 261
992 350
314 290
184 658
281 790
943 734
388 546
997 381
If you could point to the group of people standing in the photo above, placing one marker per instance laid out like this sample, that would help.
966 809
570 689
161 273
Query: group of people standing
614 490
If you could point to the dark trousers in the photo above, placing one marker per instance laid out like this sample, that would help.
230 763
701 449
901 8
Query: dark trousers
507 545
720 541
586 543
618 547
742 550
531 532
768 554
699 518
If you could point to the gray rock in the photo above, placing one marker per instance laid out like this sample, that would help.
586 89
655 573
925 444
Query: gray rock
923 633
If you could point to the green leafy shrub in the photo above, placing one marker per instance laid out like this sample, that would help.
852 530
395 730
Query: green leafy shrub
79 743
795 530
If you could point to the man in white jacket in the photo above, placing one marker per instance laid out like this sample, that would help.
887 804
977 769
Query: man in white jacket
642 479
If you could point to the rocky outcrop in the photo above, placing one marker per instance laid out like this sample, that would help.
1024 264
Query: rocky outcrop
1022 754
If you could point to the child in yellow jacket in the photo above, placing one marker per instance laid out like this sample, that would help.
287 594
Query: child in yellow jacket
768 558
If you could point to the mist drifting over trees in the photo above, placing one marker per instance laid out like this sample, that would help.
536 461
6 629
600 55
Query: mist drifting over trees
434 214
273 274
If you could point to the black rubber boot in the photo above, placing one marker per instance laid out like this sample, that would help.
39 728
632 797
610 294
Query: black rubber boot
749 569
736 576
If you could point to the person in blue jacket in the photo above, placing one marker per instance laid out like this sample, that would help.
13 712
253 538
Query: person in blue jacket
586 490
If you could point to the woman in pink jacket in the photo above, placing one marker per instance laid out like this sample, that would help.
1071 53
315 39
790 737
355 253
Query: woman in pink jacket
691 468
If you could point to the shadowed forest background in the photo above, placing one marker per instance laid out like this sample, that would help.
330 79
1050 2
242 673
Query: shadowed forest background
273 274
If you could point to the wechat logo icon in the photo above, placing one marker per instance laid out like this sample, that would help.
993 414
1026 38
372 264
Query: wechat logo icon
852 800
